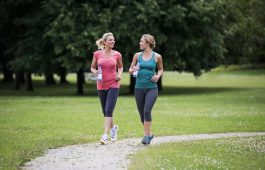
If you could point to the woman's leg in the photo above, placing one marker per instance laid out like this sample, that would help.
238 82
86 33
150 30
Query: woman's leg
108 124
150 99
140 100
112 96
102 94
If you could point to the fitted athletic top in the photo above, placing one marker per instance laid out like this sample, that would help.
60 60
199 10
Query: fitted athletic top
146 72
109 66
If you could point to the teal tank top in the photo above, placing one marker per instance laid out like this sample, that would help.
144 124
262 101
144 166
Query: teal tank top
146 72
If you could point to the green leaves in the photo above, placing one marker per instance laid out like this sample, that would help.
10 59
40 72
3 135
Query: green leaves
245 35
195 35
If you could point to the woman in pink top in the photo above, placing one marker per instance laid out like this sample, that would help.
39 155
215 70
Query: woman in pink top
106 61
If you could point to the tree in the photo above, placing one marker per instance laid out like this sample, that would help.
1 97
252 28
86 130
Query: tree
59 35
5 41
245 33
7 73
72 33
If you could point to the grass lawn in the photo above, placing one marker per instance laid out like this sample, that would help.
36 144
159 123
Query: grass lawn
52 116
231 153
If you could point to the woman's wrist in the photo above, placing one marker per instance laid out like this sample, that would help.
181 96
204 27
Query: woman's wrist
130 70
94 71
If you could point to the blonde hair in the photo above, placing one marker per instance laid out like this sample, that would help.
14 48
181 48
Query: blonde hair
100 42
150 40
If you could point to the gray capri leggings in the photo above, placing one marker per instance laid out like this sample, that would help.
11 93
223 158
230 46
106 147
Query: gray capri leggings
145 100
108 100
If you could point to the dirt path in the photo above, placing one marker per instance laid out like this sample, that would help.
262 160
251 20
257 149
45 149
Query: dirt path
111 156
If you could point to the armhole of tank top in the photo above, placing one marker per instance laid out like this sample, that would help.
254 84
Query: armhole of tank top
154 56
140 56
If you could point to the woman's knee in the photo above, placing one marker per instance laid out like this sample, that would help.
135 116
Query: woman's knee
147 116
108 114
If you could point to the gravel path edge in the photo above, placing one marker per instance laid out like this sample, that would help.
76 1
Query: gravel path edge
114 155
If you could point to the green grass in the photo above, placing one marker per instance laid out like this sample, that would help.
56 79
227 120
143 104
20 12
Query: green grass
239 67
231 153
52 116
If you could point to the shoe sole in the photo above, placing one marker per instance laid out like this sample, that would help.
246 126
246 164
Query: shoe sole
103 142
145 143
150 139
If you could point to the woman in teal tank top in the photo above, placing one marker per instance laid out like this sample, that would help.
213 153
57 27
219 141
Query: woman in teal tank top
146 72
145 92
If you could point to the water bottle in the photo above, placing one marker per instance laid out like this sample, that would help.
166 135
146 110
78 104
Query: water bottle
136 71
99 73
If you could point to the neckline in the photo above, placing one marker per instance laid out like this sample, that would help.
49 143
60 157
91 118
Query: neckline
148 58
108 56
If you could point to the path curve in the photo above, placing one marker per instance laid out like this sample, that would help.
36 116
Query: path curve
96 156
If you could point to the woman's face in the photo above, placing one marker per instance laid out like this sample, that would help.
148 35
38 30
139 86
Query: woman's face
110 42
143 44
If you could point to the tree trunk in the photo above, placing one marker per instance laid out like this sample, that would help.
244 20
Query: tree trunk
17 83
80 81
8 74
20 79
159 84
63 75
132 84
29 84
49 79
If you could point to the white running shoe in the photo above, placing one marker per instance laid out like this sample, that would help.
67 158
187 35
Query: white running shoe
104 139
114 133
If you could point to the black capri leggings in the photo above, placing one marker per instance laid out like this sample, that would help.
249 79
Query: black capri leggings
145 100
108 100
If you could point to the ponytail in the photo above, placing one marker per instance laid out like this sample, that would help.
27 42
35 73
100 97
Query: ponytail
100 42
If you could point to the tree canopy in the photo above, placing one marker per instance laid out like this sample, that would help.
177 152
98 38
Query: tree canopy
45 36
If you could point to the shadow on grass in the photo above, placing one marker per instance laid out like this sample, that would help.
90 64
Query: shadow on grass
171 90
7 89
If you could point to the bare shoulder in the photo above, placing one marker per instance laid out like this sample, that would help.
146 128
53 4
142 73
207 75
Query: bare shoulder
136 55
157 56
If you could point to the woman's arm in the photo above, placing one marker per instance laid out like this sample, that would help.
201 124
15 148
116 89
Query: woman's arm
156 77
120 69
134 61
160 66
93 67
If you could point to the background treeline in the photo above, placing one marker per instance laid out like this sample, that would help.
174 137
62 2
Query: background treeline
50 37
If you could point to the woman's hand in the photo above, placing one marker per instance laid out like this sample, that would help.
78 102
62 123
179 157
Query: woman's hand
118 78
155 78
135 68
96 72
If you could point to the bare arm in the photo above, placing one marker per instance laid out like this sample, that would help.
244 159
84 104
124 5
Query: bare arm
156 77
93 67
160 66
134 61
120 69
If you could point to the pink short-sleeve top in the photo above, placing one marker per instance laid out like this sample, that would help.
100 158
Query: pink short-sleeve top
109 67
